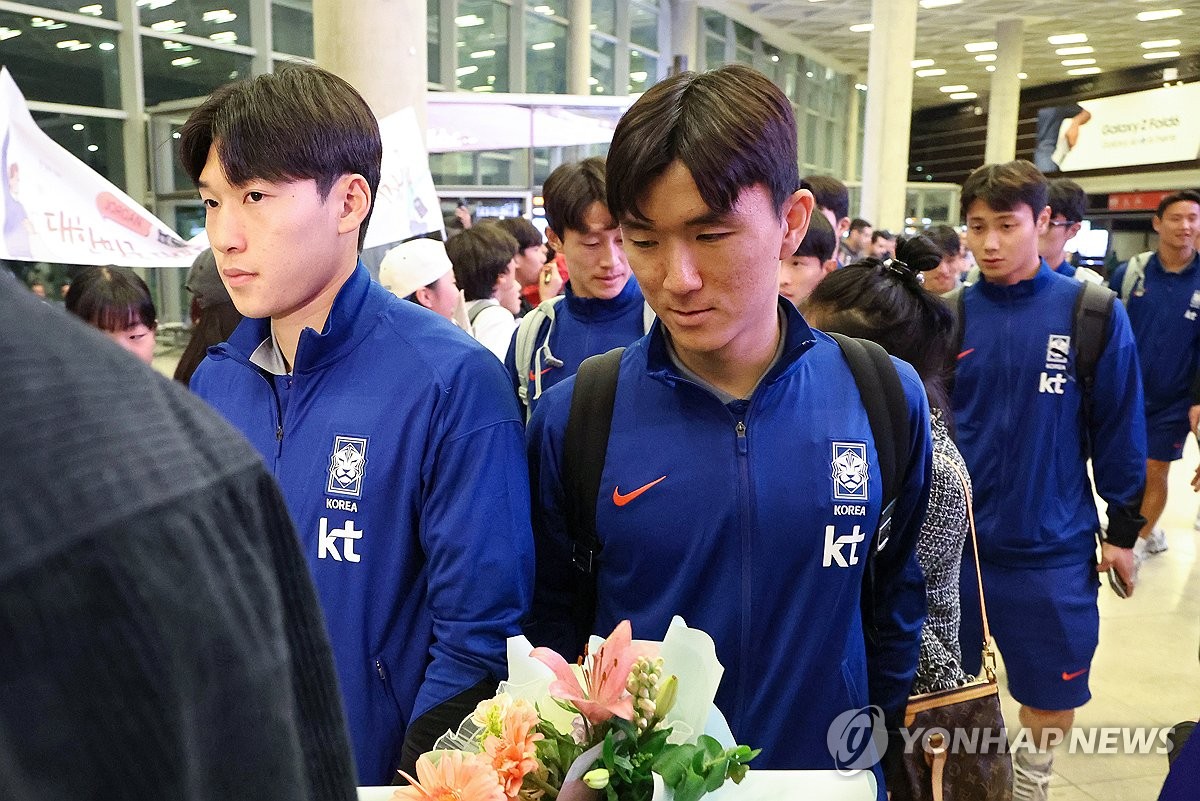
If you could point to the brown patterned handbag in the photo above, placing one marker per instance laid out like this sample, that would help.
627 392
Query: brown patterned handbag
962 752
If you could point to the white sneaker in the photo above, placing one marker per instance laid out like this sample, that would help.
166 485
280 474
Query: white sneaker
1156 542
1139 552
1031 782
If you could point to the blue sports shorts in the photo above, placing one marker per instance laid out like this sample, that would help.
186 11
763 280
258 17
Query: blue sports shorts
1045 623
1166 431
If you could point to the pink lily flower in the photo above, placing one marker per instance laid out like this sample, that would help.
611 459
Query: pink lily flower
606 672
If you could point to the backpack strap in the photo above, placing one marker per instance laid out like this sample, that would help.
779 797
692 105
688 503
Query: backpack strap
585 445
956 303
477 307
1093 308
887 412
527 357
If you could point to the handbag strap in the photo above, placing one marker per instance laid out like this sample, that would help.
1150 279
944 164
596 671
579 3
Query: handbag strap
989 657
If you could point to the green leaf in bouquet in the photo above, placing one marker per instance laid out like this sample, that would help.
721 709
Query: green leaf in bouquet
737 772
716 775
653 742
673 762
690 789
711 747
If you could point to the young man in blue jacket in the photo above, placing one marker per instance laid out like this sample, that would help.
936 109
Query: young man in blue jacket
394 436
1026 437
737 435
1163 302
600 309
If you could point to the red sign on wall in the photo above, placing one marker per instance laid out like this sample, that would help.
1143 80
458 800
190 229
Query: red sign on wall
1136 201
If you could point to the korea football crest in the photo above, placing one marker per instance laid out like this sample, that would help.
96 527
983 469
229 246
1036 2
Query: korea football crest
346 465
850 471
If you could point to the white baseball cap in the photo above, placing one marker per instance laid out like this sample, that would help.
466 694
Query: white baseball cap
412 265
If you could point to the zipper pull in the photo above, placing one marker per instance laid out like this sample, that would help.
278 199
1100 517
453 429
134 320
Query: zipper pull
741 437
279 434
379 669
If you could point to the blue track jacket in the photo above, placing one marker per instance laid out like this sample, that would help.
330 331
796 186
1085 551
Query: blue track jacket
399 454
1020 425
757 531
1165 315
583 327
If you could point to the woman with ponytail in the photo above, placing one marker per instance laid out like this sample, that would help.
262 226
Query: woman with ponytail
885 301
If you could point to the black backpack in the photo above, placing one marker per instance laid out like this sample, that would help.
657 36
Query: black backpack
1089 327
585 446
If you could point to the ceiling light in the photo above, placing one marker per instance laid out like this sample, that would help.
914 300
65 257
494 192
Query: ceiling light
547 10
224 37
186 61
958 87
467 70
469 21
862 87
73 45
153 4
486 53
106 46
637 76
93 148
1074 51
8 33
1084 71
964 95
1022 76
1157 43
774 59
939 3
169 26
176 47
979 47
862 27
77 126
922 62
990 68
986 57
94 10
48 24
1067 38
542 46
1161 54
1078 62
930 73
219 17
1166 13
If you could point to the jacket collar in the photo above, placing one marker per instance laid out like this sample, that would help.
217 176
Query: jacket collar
358 300
1022 289
798 338
1154 264
595 310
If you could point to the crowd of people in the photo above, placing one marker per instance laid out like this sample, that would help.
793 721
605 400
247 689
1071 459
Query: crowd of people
424 433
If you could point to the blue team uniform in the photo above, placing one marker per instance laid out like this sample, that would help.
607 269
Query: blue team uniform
1020 427
398 446
1164 310
747 519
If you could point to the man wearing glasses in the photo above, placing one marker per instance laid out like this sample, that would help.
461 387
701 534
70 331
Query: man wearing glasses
1068 205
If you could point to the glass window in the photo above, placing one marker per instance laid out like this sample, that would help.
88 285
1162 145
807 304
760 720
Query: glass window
61 62
433 23
643 26
103 10
604 56
482 46
229 24
604 16
714 52
292 29
548 8
714 22
545 56
175 70
745 36
96 141
643 71
481 168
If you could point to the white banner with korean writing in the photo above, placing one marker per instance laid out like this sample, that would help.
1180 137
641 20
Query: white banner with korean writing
406 204
55 208
1155 126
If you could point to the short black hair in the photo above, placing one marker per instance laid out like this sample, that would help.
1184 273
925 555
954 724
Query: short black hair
858 223
882 233
830 193
111 299
819 241
1005 186
945 237
732 128
1068 199
522 230
1186 195
884 301
570 190
480 255
299 123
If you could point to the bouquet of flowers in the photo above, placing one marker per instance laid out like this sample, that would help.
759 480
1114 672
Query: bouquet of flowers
616 727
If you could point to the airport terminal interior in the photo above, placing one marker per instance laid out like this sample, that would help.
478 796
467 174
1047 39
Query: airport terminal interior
898 99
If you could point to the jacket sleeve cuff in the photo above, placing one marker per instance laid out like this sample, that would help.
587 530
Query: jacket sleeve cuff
1124 524
423 732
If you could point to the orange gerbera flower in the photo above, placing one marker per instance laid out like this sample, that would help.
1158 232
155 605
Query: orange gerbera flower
455 777
514 754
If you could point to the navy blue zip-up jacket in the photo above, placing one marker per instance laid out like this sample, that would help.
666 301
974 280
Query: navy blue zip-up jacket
753 522
582 327
1020 425
400 456
1165 315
